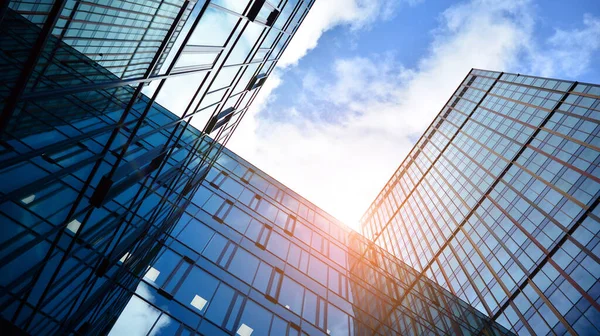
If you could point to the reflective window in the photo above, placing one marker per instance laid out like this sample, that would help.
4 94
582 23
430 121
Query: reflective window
291 295
218 308
257 319
197 287
196 235
244 265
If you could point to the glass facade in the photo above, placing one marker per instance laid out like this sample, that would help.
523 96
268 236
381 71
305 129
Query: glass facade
94 170
121 35
498 202
250 256
119 217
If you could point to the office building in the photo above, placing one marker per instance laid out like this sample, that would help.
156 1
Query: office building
119 217
498 202
122 36
119 239
114 221
251 257
92 166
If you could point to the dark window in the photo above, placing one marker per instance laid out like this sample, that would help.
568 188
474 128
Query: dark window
243 265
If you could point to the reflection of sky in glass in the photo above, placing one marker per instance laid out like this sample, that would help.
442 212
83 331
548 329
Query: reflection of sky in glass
255 318
210 295
184 31
337 321
291 295
177 92
234 5
201 51
245 44
212 31
214 28
139 316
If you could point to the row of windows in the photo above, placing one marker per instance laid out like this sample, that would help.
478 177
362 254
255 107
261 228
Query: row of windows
381 283
461 168
546 192
57 141
432 136
456 102
264 277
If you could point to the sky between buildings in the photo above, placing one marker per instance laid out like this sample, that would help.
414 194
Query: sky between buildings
362 79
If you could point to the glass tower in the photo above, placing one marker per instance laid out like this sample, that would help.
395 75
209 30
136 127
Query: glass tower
118 217
98 159
123 36
251 257
498 202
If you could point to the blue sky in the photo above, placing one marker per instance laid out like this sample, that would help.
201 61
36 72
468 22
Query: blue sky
362 79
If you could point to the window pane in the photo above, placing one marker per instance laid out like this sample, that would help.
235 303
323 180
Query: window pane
218 308
333 281
262 277
318 270
290 202
337 254
278 326
244 265
165 265
268 210
165 326
337 321
213 18
302 232
310 307
197 287
213 204
238 219
254 230
138 313
232 188
291 295
215 247
257 318
196 235
278 245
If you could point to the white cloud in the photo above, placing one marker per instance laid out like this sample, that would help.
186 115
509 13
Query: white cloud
353 126
139 316
569 53
326 14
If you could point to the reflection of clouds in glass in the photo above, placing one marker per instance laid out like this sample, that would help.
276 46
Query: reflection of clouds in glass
138 317
177 92
291 295
245 43
28 199
212 31
214 27
337 321
234 5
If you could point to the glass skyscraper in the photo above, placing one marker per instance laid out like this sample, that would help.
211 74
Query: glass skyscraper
118 217
117 220
122 36
93 167
498 202
251 257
